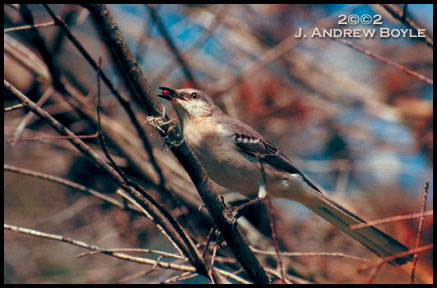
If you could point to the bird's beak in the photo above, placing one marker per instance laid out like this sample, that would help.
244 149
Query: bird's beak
170 94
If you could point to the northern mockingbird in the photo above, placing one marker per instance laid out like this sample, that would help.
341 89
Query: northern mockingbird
230 150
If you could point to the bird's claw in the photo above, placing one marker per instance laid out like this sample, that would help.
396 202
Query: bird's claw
158 122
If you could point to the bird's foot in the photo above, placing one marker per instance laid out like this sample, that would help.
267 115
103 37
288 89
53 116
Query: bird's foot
158 122
237 211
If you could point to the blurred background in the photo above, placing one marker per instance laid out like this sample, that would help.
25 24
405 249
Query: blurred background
359 127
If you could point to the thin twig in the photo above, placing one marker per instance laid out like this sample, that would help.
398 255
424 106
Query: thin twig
381 261
401 17
181 277
142 250
275 237
208 240
170 43
41 46
419 230
272 220
122 256
67 183
99 126
59 38
277 275
391 219
92 247
125 104
137 275
14 107
211 266
165 71
24 27
385 60
290 279
147 214
404 12
308 254
38 138
373 274
20 128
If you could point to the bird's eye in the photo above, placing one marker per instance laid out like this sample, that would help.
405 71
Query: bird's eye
195 96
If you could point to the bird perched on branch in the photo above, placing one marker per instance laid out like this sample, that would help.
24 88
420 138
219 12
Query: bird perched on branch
231 150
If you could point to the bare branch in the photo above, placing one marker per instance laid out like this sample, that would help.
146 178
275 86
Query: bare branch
67 183
14 107
163 253
114 91
271 214
308 254
24 27
185 156
185 67
98 249
20 128
160 215
39 138
113 252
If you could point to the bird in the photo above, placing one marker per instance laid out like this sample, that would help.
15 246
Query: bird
231 150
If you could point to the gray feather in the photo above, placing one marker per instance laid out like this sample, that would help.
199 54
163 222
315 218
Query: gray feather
374 239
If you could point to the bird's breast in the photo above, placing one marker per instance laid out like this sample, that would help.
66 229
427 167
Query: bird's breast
224 163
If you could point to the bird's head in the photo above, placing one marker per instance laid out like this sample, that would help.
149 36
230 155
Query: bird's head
191 103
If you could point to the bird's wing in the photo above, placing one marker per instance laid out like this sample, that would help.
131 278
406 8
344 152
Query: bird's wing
251 142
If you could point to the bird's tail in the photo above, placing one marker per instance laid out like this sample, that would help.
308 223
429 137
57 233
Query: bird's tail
374 239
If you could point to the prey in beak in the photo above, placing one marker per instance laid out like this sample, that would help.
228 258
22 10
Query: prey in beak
170 94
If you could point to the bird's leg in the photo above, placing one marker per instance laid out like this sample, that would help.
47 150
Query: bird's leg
240 210
235 212
243 208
